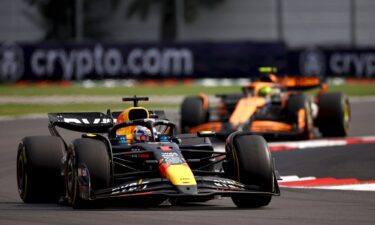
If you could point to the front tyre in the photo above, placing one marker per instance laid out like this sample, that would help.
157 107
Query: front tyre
39 163
298 110
94 156
333 115
193 112
250 162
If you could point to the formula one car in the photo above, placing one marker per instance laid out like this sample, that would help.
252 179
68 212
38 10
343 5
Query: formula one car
106 162
273 107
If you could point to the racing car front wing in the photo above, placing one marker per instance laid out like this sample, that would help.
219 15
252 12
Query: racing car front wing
206 186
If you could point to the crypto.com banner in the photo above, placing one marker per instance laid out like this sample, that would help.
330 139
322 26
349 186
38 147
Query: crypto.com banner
138 61
342 62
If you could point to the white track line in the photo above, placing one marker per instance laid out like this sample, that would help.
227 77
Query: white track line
293 145
311 144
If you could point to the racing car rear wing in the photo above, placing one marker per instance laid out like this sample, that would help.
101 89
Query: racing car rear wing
290 82
91 122
299 83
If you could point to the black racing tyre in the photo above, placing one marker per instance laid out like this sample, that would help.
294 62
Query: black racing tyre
250 162
39 166
294 104
334 114
193 113
93 154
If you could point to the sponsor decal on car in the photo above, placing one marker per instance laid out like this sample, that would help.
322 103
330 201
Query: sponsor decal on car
87 121
130 187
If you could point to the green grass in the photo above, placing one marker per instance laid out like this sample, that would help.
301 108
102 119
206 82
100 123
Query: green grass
350 89
355 89
27 109
140 90
12 90
144 90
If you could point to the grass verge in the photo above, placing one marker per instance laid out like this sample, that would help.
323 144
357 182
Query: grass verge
26 109
140 90
147 90
144 90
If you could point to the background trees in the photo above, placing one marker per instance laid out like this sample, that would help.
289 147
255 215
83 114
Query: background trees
59 19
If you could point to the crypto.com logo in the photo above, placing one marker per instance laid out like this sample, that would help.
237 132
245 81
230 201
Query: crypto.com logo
11 62
312 62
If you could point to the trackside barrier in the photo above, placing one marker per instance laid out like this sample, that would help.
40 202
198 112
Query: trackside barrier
179 61
332 61
52 61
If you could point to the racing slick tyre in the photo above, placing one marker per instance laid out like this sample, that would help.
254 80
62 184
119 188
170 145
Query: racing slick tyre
93 155
250 163
39 166
193 112
334 114
298 110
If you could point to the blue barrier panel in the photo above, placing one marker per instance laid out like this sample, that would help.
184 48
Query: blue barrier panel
53 61
338 61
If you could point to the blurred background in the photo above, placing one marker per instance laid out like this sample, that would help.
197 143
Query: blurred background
183 39
299 23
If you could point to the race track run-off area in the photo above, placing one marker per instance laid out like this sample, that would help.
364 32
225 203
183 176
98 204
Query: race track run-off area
319 146
294 181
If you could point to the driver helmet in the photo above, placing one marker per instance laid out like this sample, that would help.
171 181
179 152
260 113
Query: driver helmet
266 91
141 134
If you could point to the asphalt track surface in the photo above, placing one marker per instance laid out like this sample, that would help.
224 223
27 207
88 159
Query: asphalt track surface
294 206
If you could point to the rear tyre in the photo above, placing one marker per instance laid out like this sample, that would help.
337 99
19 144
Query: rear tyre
193 113
333 115
250 163
39 164
93 154
298 110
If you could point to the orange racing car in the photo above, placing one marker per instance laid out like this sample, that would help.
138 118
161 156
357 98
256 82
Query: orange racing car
271 106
